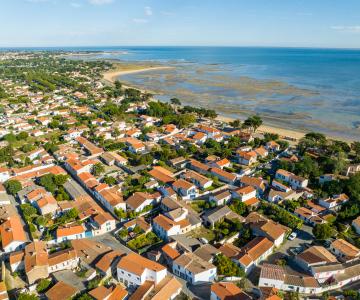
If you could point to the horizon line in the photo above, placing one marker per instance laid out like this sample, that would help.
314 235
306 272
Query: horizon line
183 46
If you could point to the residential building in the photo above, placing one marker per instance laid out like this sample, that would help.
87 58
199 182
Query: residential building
134 270
193 269
344 250
227 291
12 233
296 182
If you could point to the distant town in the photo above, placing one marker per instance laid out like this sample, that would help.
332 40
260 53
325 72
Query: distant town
108 193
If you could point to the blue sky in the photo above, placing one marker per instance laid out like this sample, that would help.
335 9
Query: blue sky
295 23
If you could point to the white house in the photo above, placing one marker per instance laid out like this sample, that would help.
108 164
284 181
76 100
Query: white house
102 223
70 233
246 158
244 193
13 236
165 227
344 250
335 202
185 189
4 174
296 182
138 201
194 269
199 180
133 270
274 276
221 197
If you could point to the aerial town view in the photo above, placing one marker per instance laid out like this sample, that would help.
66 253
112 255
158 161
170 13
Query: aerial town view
180 168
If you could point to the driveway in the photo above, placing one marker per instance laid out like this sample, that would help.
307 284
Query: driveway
304 236
69 277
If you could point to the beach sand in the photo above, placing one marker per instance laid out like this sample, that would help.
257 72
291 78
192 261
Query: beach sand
112 75
287 134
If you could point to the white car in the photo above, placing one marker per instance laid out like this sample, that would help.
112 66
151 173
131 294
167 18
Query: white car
292 236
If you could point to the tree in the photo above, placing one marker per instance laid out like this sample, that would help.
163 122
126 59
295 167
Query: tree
238 207
353 187
13 186
28 210
41 221
120 213
98 169
225 266
292 296
43 285
110 180
26 296
22 136
253 122
322 231
235 123
47 181
356 147
10 138
60 179
84 297
316 137
175 101
118 85
27 148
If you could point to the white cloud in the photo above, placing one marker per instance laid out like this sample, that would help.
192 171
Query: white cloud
100 2
148 11
140 21
347 29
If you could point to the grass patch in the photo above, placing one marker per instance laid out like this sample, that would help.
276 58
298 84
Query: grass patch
203 232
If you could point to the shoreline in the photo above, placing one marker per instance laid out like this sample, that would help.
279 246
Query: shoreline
111 76
291 135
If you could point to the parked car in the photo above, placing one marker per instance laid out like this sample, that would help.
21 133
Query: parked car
292 236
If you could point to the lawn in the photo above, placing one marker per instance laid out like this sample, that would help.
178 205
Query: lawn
203 232
198 205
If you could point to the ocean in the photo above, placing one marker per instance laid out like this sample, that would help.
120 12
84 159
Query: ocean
296 88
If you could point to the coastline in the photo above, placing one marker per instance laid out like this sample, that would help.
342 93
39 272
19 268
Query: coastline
112 75
291 135
288 134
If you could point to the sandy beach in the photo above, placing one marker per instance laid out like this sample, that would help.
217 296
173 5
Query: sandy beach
283 133
112 75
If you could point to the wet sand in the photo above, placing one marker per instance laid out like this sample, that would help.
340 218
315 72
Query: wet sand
126 69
